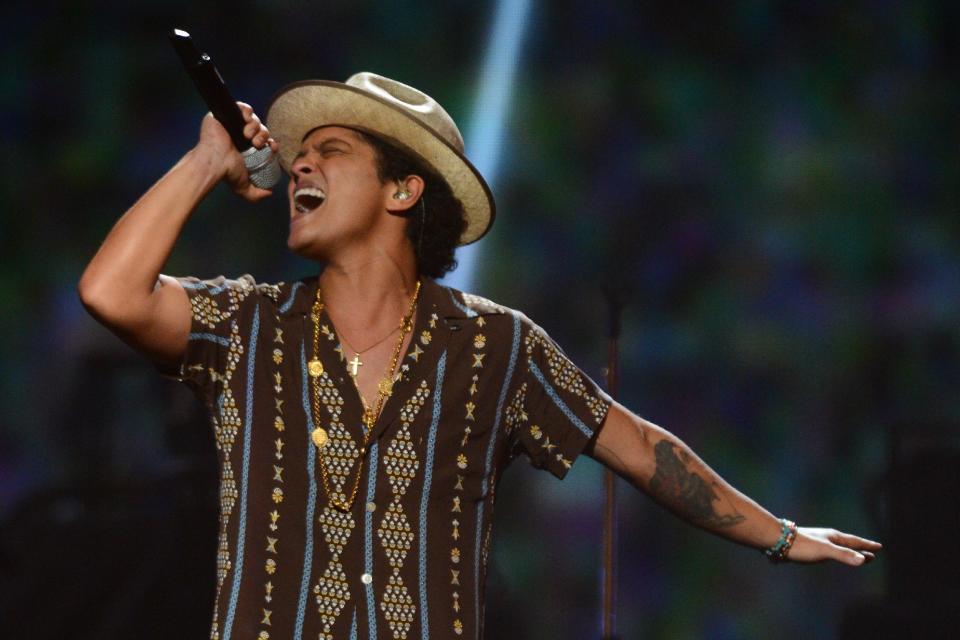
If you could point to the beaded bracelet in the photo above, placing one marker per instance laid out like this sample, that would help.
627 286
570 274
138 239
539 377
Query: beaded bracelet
788 533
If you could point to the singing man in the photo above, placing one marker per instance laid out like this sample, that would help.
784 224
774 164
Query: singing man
363 416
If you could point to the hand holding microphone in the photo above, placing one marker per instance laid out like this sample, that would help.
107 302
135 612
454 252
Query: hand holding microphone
238 120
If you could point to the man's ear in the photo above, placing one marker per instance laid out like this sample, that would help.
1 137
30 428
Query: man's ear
403 194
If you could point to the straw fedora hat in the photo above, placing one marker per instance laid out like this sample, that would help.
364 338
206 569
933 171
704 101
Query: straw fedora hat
394 111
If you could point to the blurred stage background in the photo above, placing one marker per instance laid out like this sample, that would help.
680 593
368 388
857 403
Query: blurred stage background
775 183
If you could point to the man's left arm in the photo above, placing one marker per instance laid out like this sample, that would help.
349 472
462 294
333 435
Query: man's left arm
662 466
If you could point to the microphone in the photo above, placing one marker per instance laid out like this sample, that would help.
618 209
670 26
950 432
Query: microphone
262 165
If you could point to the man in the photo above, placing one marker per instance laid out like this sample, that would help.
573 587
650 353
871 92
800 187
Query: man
363 417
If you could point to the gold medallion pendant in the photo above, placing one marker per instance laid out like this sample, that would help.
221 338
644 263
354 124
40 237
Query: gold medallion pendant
343 500
319 437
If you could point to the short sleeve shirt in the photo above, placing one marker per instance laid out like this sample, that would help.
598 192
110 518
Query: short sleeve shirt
479 385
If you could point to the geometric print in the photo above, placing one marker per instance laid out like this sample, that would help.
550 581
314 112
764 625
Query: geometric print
226 420
565 374
395 533
435 476
340 454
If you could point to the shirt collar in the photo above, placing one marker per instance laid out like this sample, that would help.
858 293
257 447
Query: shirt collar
298 297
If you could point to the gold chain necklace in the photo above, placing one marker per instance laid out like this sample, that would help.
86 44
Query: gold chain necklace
315 368
356 363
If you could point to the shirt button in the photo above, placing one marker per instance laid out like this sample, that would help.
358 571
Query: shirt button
371 507
366 578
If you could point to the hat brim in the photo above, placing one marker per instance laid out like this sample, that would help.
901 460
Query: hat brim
301 107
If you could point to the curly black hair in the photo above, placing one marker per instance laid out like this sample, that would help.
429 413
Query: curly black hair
437 221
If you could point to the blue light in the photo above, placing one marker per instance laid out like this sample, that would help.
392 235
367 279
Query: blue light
485 132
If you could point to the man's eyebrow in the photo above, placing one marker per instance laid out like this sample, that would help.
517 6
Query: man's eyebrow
322 143
326 141
319 145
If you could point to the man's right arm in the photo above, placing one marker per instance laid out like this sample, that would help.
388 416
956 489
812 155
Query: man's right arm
122 286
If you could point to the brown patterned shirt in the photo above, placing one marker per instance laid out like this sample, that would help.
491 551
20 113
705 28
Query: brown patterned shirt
479 384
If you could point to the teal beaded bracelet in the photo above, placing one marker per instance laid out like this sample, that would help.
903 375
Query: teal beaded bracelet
788 533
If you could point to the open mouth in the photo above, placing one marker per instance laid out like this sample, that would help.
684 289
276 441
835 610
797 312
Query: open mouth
307 199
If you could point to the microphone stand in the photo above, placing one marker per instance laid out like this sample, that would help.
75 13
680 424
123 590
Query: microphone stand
608 592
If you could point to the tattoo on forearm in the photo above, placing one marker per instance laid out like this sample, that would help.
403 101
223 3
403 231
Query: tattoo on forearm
685 491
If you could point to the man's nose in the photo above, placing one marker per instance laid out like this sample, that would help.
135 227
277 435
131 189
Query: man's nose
301 167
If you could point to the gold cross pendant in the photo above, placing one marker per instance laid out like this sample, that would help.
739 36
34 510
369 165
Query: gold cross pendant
355 364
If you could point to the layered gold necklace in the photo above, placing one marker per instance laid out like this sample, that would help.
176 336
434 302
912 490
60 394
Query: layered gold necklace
355 364
319 435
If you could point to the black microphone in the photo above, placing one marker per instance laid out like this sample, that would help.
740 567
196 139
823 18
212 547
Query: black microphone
262 164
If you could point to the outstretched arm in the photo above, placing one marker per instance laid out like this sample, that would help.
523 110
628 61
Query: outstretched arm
662 466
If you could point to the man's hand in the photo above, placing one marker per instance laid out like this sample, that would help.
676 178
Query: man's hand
216 147
122 286
815 544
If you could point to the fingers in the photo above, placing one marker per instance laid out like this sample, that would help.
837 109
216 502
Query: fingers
253 194
256 133
853 550
254 130
259 137
848 556
853 542
816 544
256 194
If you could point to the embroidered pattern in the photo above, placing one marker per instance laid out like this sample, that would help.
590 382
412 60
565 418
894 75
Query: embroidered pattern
271 291
341 452
482 305
205 308
565 375
463 462
226 419
489 479
401 464
276 491
516 411
332 589
379 578
226 426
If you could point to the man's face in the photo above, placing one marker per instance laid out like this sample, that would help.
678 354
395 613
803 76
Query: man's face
336 197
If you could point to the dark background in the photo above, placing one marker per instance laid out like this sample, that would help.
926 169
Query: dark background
775 184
